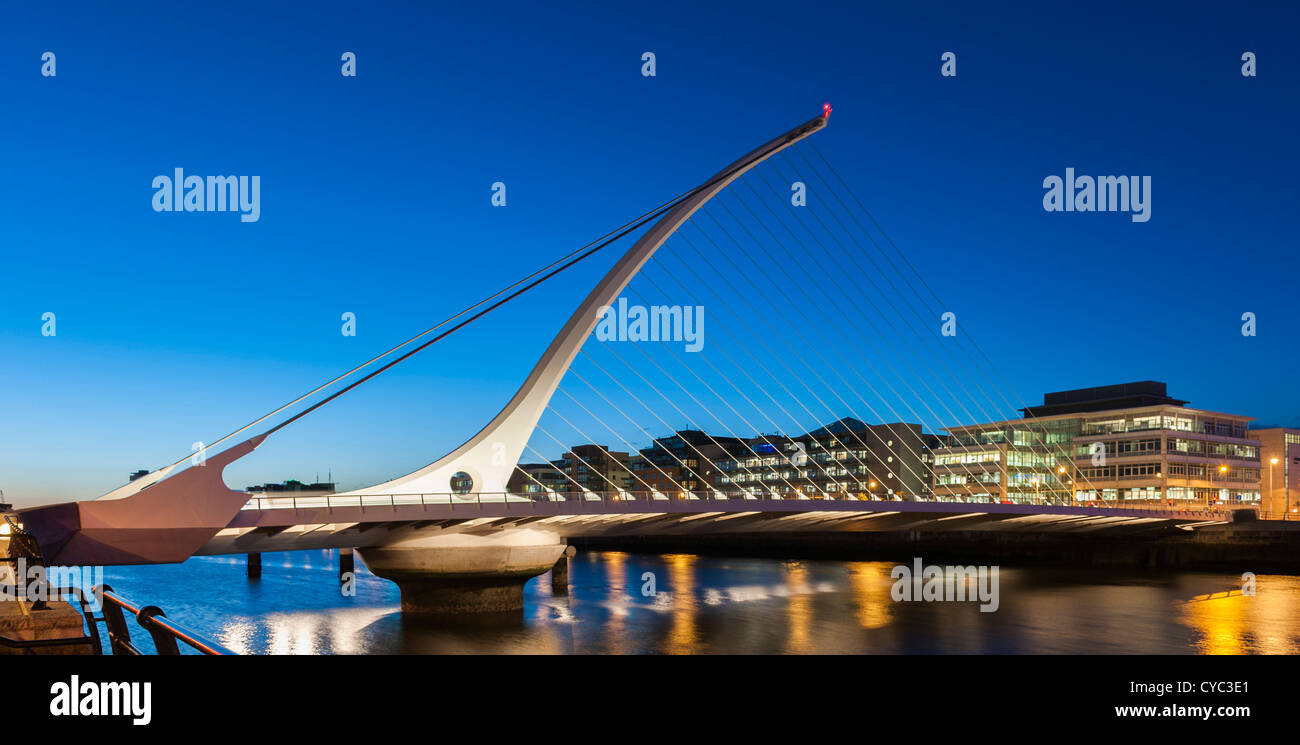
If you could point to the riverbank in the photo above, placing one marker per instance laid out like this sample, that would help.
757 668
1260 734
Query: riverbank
1251 545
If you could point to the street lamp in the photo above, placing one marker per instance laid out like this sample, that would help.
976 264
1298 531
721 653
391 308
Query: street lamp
1223 470
1272 498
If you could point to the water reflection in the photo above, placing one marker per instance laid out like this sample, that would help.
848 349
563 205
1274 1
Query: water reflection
680 601
710 605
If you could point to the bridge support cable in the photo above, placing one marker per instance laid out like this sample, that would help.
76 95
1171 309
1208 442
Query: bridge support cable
1045 449
810 323
840 270
768 394
970 360
630 472
698 452
984 415
558 470
790 349
596 390
622 439
590 468
971 363
810 302
849 298
740 368
543 488
717 395
680 462
744 440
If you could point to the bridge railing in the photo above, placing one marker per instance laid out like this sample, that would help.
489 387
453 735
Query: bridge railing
114 608
1280 515
331 501
165 632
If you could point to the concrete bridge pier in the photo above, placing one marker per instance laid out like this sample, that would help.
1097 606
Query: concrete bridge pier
560 572
347 564
254 566
461 574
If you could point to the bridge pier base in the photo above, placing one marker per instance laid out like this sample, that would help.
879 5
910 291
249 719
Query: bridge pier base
560 572
254 566
347 564
462 574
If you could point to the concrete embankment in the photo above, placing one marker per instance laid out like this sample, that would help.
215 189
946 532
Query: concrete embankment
24 621
1255 546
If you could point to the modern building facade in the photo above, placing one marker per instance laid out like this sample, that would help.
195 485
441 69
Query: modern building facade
1107 445
585 468
846 458
684 462
1279 459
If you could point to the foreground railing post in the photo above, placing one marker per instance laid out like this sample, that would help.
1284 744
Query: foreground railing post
163 641
119 636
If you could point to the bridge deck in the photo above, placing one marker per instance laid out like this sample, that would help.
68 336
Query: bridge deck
290 523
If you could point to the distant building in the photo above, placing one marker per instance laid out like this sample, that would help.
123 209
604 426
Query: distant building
846 458
585 468
683 462
1112 444
1279 459
293 488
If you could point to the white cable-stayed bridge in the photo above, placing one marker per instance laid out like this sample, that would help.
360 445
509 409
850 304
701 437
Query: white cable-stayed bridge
791 369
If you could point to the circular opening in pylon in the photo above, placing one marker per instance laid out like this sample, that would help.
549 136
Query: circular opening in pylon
461 483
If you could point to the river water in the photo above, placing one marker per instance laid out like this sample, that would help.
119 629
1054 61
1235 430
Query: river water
725 605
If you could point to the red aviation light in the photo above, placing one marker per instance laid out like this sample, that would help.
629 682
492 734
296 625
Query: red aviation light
826 111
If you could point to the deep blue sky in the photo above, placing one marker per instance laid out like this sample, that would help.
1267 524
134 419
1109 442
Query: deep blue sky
375 199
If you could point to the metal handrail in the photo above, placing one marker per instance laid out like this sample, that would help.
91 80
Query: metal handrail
165 632
478 499
1283 515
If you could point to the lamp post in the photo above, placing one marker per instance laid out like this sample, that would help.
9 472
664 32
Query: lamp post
1272 496
1224 470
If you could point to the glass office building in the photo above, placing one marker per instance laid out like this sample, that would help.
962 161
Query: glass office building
1127 443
